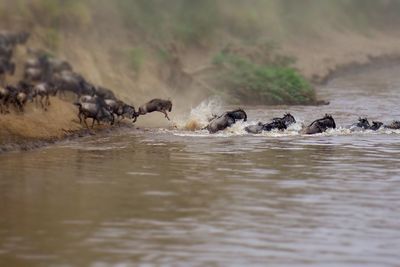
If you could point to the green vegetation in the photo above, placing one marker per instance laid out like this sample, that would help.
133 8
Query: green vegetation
273 83
152 25
136 58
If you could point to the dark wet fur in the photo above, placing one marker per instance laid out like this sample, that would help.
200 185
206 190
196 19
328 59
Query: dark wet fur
321 125
277 123
395 125
226 120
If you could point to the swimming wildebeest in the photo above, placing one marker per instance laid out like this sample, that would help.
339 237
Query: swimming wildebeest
277 123
159 105
363 124
321 125
395 125
376 125
226 120
95 111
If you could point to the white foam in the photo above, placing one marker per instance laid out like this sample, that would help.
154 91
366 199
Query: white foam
199 116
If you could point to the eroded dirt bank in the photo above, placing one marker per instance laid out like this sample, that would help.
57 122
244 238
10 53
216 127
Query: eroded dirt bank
319 59
336 53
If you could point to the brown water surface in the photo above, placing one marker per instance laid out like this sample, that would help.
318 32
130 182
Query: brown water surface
178 198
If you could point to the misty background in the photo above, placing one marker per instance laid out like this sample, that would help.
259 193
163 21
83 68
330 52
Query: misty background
194 49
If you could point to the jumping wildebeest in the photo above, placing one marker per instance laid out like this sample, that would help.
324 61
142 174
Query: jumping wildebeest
226 120
159 105
95 111
395 125
321 125
277 123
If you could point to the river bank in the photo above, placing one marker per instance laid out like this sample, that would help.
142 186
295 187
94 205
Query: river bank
320 60
334 53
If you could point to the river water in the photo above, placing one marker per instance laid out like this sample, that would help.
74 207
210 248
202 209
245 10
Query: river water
160 197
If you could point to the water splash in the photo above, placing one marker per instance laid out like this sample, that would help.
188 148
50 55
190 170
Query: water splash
200 116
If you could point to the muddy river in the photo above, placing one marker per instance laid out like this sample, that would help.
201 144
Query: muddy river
164 197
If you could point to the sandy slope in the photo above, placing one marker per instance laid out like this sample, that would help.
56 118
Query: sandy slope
36 124
319 57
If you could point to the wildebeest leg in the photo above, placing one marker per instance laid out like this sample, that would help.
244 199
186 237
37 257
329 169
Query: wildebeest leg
47 100
41 102
165 113
80 117
20 106
94 119
84 120
6 104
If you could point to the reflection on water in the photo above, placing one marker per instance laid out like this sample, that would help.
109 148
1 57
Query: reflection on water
189 199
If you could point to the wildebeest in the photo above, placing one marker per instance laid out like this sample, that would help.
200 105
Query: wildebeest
12 38
6 95
276 123
105 93
362 124
159 105
73 82
6 66
95 111
58 65
376 125
321 125
24 93
226 120
121 109
395 125
44 90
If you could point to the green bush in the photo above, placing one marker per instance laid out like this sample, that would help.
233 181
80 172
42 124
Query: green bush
263 84
136 58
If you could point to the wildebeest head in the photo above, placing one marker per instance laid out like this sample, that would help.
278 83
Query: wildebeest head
238 114
363 123
168 105
130 110
288 119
